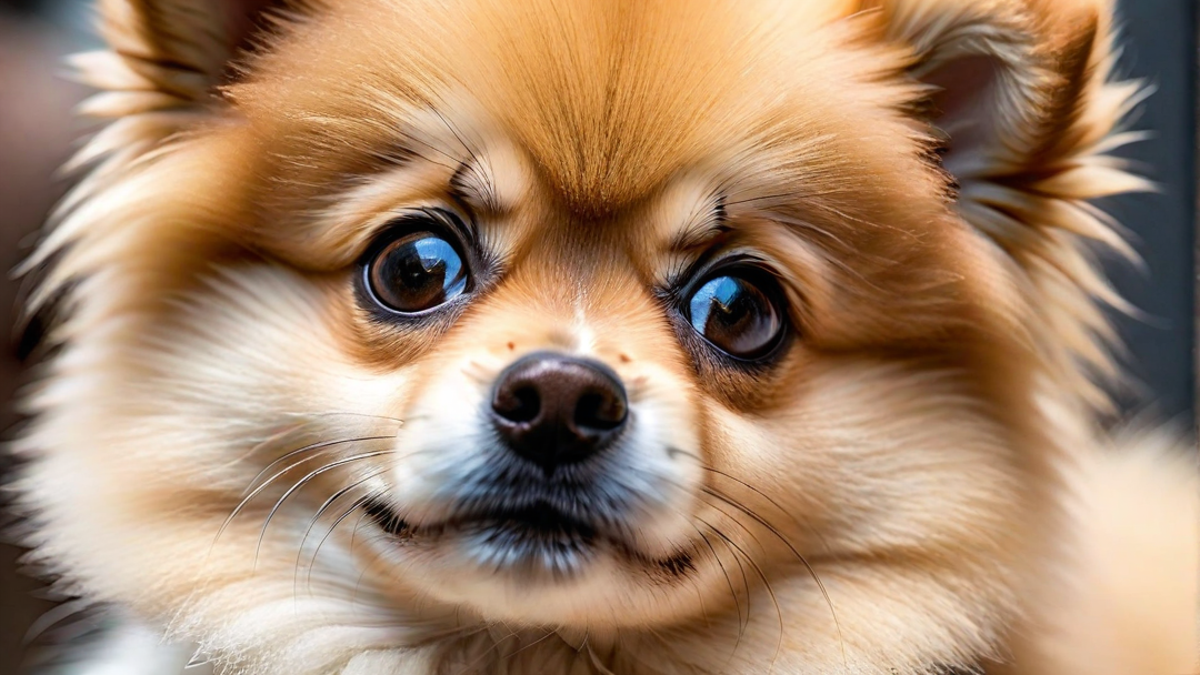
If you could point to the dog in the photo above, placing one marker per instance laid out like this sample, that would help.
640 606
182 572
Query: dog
604 336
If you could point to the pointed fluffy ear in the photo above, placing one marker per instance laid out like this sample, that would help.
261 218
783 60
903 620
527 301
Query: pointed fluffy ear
1020 98
1020 101
161 72
165 54
164 64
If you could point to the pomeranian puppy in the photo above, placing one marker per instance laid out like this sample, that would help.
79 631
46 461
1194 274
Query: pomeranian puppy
604 336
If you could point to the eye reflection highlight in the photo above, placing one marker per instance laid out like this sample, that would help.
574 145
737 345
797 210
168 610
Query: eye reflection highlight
735 316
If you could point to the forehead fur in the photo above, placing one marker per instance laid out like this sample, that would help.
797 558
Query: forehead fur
608 99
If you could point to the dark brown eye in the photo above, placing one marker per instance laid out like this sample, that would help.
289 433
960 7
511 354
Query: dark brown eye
416 272
736 316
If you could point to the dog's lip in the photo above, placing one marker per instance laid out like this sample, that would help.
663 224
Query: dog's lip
542 520
536 519
386 518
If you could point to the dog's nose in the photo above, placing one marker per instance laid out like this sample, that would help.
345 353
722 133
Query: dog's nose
555 410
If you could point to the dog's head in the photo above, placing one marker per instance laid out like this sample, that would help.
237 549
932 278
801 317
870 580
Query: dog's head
388 320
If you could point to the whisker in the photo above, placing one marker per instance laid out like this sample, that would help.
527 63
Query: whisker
263 486
312 563
773 502
302 482
728 579
317 517
596 659
667 645
549 633
328 503
761 575
774 531
354 532
319 445
742 626
339 413
512 632
804 561
587 632
266 442
358 584
741 569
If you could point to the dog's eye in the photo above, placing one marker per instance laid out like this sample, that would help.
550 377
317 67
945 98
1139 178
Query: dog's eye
416 272
736 316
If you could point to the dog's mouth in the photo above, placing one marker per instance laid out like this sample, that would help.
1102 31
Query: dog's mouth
538 520
538 539
533 538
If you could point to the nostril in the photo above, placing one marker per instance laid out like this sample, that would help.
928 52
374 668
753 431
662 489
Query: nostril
554 410
519 405
600 411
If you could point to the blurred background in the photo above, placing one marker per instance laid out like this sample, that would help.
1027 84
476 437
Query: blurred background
38 132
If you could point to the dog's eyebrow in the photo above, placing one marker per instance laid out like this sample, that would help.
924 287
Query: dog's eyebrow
709 221
472 184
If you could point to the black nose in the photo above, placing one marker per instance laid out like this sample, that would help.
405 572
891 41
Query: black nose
555 410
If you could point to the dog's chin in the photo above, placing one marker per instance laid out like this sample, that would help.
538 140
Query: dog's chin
532 545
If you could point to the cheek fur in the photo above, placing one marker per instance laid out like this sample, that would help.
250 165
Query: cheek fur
869 457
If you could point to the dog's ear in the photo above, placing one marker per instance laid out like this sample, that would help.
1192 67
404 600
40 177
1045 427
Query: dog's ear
162 72
1020 93
165 65
167 55
1019 99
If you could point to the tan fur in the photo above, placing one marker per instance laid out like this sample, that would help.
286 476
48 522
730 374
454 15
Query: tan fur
919 482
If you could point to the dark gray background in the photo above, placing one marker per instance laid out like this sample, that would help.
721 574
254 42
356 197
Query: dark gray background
1160 46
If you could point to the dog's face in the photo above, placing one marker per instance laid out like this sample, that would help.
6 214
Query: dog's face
597 316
